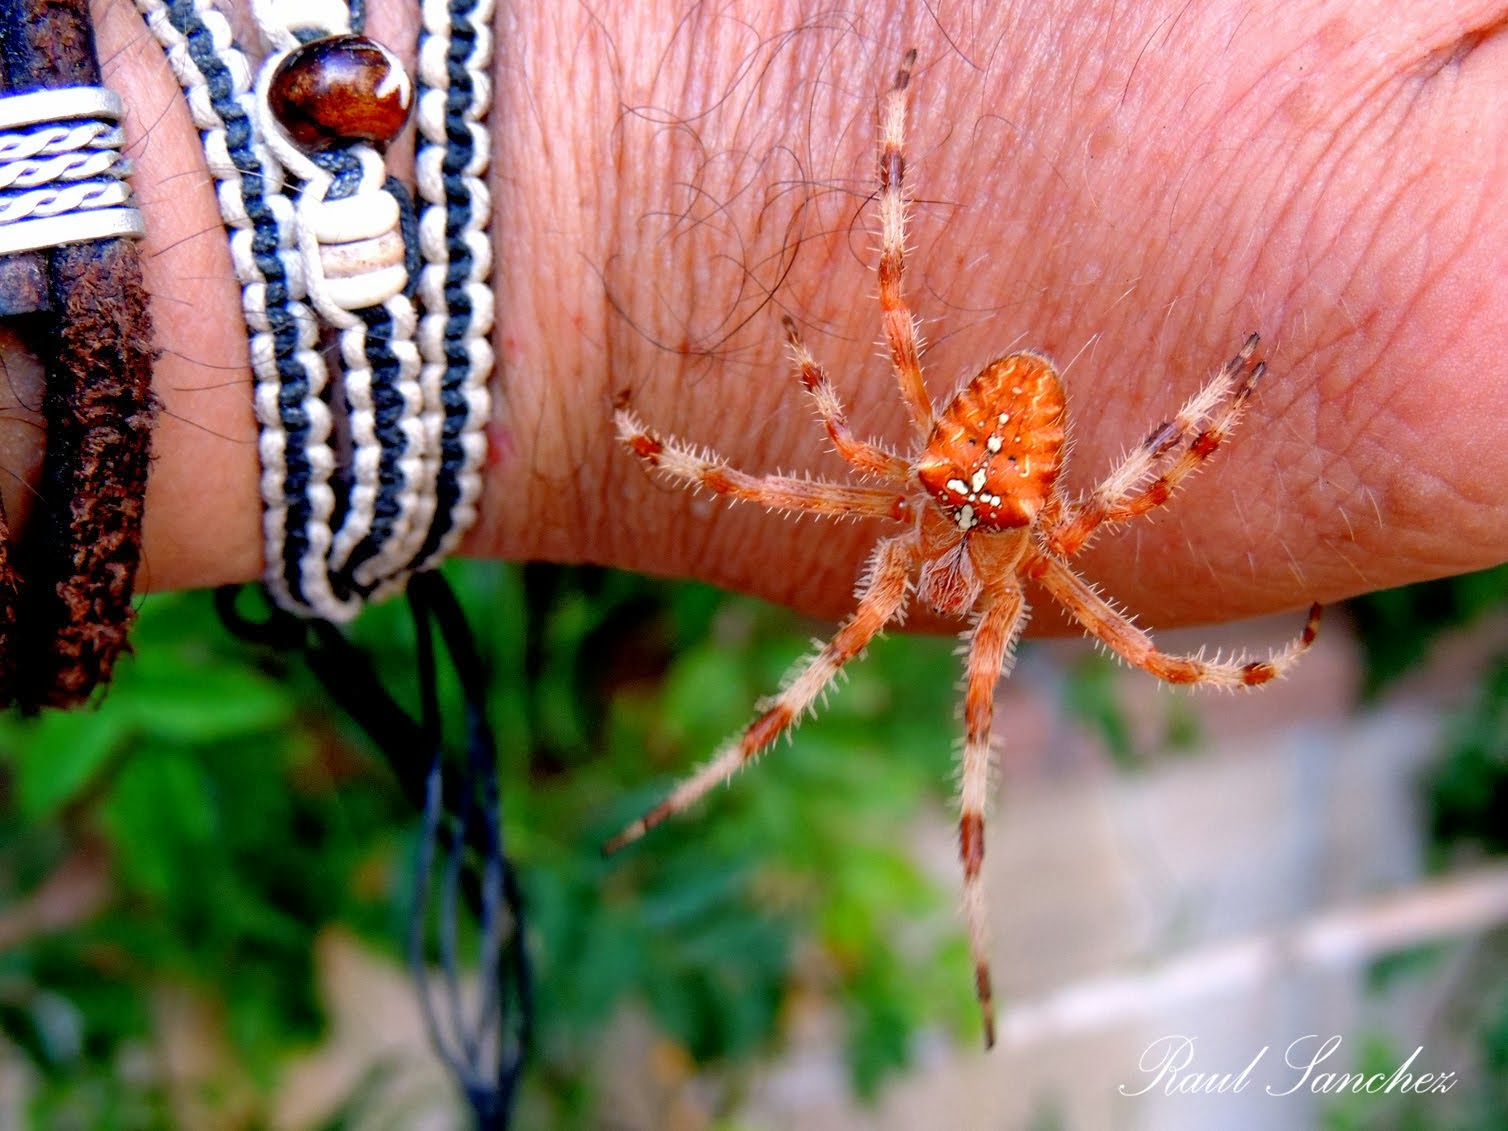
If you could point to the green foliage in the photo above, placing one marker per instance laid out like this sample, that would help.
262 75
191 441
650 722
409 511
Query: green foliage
1399 966
228 848
1466 814
700 921
1090 696
1467 795
1397 626
240 816
1395 1111
1491 1094
1477 1096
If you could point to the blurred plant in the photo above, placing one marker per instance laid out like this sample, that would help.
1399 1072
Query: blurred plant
1467 1036
1396 627
227 834
1396 1111
1092 690
1465 805
1467 794
228 815
234 817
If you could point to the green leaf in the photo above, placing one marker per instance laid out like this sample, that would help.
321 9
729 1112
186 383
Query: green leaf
879 1025
62 753
176 700
160 816
1396 627
707 698
1467 792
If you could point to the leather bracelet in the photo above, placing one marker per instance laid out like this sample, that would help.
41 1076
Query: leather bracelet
91 328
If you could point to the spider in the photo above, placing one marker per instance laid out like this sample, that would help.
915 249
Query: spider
981 510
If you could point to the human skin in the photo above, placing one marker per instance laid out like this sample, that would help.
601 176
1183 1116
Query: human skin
1132 188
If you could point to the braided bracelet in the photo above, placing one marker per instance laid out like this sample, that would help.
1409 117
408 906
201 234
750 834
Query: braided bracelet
67 228
343 94
455 93
307 128
341 252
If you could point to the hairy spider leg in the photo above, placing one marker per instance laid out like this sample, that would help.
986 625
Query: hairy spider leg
1110 627
882 598
681 461
1195 433
900 323
990 644
868 458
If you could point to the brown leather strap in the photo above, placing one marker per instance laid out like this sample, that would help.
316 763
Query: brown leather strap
82 544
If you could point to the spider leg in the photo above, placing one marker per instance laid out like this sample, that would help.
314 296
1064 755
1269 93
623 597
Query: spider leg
900 325
989 657
682 462
1199 428
868 458
1114 630
882 598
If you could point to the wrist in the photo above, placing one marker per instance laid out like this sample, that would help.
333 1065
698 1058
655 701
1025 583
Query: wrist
202 518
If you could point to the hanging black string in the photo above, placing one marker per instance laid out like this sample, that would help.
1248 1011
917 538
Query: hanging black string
461 850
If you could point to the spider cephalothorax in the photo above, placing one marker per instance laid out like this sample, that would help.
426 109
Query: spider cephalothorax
982 510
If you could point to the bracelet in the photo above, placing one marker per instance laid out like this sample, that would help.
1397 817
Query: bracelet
67 227
291 378
325 99
321 236
323 242
455 93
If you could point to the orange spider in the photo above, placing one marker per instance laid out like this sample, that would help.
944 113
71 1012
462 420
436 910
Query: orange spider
982 509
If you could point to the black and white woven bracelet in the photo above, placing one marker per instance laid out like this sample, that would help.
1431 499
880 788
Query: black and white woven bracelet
351 226
455 94
340 532
291 379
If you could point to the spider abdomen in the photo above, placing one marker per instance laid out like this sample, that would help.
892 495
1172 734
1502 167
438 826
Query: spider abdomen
997 448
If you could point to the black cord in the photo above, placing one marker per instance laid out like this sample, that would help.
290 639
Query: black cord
461 834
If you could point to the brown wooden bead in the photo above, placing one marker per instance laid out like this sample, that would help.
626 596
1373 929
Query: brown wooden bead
340 89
